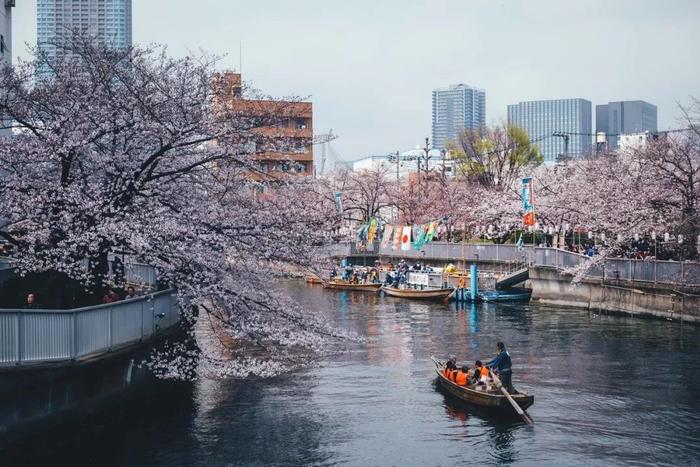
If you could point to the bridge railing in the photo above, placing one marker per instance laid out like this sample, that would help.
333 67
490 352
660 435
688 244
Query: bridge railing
654 271
662 272
42 336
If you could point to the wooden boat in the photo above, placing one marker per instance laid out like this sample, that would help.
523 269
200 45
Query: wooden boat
490 398
313 280
436 295
338 284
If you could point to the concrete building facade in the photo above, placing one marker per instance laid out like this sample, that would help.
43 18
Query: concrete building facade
456 108
542 119
623 118
289 135
109 21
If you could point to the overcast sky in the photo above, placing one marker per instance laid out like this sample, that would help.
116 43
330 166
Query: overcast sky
369 66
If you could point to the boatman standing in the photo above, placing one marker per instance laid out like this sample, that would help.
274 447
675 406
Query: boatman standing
502 365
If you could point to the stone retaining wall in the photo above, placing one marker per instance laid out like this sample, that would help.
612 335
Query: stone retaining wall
551 286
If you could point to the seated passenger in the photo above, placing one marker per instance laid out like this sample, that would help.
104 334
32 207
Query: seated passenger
481 373
461 377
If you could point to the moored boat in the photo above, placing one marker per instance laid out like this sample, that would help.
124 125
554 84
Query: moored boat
489 397
338 284
431 294
520 295
313 280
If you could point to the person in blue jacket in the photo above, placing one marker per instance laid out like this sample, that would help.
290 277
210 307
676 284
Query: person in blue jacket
502 366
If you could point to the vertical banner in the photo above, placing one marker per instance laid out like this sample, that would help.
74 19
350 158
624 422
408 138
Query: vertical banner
406 238
388 232
339 202
431 232
398 233
371 233
361 239
419 237
528 202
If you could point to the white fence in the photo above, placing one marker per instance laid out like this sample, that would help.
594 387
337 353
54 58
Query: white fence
39 336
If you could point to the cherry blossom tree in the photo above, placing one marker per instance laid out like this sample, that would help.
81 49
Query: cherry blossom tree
131 151
364 193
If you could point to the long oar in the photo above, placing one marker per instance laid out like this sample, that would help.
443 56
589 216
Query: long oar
515 405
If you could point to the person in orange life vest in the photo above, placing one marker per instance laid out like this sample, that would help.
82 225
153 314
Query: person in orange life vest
450 366
461 376
481 373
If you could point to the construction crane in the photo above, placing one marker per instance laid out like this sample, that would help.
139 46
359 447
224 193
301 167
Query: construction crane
324 140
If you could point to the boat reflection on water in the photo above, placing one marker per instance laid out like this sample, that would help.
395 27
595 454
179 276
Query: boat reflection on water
500 431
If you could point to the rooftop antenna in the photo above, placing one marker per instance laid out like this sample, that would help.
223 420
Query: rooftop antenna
240 57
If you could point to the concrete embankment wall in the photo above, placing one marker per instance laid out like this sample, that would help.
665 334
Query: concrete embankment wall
551 286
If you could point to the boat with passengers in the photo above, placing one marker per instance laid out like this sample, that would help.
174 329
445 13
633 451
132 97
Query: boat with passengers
488 396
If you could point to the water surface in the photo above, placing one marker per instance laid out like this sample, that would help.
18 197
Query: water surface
609 390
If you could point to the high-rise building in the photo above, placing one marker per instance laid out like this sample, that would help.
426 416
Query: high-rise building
6 32
624 118
456 108
108 21
6 47
541 120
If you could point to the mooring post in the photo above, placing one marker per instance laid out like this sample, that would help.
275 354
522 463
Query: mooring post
473 282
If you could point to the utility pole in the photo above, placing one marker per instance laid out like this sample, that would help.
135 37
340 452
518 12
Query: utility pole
398 158
561 134
443 153
427 150
398 162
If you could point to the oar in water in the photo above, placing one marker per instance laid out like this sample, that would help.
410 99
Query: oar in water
515 405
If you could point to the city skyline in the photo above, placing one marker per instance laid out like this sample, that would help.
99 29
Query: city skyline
385 106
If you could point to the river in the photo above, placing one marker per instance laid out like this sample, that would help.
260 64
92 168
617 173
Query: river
609 390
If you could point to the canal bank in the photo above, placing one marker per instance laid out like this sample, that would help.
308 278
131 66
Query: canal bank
649 288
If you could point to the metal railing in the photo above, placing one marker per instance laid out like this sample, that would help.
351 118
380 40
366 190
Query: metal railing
684 273
41 336
652 271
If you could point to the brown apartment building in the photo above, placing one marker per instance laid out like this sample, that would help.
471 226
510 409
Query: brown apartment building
285 147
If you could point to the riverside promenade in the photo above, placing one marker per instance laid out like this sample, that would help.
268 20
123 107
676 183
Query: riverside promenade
664 289
60 365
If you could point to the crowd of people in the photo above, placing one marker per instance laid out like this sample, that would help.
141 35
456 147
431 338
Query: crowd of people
395 275
110 297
